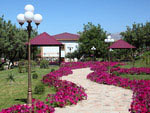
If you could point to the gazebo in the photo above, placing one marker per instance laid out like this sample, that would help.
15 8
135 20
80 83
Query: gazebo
44 39
121 44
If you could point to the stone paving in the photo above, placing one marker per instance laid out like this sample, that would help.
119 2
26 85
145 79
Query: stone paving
101 98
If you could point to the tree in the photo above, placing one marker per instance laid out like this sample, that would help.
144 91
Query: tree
12 41
138 35
93 35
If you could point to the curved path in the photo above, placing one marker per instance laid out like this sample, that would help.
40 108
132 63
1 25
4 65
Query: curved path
101 98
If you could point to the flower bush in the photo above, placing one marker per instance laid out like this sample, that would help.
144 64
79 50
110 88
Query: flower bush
67 92
137 71
37 107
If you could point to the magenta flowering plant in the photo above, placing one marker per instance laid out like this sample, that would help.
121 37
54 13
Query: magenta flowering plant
67 92
37 107
137 71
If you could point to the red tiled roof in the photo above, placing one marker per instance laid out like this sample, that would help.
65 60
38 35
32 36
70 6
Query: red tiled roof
121 44
66 36
44 39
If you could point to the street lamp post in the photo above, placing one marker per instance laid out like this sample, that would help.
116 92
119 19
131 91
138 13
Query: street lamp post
93 49
109 40
29 17
70 48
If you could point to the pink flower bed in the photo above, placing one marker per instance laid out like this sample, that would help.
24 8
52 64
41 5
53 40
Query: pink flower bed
67 92
137 71
37 107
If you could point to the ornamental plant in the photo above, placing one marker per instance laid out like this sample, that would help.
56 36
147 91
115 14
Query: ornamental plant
67 92
37 107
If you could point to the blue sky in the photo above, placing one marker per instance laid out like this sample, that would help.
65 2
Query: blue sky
69 15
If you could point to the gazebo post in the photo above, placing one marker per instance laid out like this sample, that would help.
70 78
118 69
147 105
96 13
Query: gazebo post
59 55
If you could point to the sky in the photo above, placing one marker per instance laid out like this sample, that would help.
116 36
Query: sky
69 15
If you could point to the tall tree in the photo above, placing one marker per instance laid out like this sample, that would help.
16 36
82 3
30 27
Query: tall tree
92 35
12 41
138 35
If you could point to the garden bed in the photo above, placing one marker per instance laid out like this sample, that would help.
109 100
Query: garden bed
69 93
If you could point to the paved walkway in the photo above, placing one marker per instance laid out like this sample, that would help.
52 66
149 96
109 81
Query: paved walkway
101 98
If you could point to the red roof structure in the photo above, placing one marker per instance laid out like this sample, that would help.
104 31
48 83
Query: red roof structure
121 44
45 39
66 36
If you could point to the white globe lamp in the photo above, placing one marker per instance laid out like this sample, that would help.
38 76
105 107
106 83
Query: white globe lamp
37 19
28 16
29 8
20 18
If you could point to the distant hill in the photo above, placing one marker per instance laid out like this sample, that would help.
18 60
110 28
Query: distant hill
116 36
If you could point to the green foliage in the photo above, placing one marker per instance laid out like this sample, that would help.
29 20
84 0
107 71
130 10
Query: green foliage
12 41
116 73
34 75
52 70
39 88
93 35
146 58
23 66
10 78
138 35
88 59
44 64
75 54
1 65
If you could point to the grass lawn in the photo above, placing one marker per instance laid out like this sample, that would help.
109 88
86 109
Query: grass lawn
138 63
16 92
136 77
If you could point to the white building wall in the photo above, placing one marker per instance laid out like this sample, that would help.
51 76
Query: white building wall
53 51
69 44
50 51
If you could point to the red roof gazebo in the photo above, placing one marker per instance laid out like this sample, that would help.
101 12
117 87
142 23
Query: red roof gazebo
121 44
45 39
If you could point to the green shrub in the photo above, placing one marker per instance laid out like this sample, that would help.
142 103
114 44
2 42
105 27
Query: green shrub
52 70
146 58
34 75
39 88
116 73
1 67
33 65
118 65
23 66
44 64
89 59
10 78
